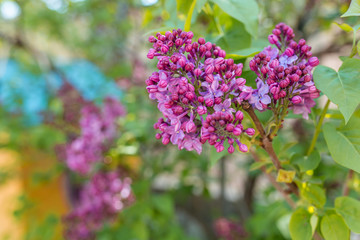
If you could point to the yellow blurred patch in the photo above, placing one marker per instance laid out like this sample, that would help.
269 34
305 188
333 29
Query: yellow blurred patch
311 209
285 176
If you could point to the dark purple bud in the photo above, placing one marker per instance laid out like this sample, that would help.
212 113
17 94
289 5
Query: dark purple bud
188 48
250 131
237 131
209 61
219 61
231 149
152 39
178 42
202 49
264 70
228 74
230 127
276 32
158 136
307 78
289 52
209 102
182 62
224 87
243 148
189 67
195 45
200 99
302 42
294 77
202 110
296 99
208 46
165 140
190 127
197 72
218 100
222 53
209 78
313 61
209 70
240 82
239 116
273 39
282 94
201 41
190 35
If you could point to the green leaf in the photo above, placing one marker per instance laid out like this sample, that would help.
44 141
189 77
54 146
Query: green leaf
307 163
353 10
314 194
344 26
234 38
244 53
246 11
300 227
257 165
349 209
344 146
164 204
314 220
342 88
189 16
200 4
358 47
215 156
333 227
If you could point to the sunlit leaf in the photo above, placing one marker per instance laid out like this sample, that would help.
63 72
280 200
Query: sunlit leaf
353 10
333 227
343 87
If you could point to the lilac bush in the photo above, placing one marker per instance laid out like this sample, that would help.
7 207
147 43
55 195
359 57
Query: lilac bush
98 131
101 199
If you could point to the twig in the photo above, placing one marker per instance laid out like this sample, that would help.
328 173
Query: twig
273 181
266 143
346 188
318 128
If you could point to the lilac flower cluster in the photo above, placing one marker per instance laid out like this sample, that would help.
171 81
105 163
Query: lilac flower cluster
98 130
197 91
101 199
229 230
284 73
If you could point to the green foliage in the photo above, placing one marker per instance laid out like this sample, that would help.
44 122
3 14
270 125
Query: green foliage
354 9
150 217
343 87
313 194
349 209
300 227
333 227
307 163
245 11
343 143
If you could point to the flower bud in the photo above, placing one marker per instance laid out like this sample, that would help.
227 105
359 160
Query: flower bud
201 110
273 39
296 99
231 149
250 131
313 61
201 41
289 52
190 127
243 147
237 131
197 72
239 116
209 69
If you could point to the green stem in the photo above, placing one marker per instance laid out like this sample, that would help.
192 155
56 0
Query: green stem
318 128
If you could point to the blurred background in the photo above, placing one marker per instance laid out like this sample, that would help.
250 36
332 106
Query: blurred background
58 57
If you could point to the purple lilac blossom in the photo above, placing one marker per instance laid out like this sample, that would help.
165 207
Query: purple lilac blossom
229 230
98 131
197 91
100 201
286 69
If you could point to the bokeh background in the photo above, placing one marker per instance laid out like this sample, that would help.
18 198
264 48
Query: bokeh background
98 48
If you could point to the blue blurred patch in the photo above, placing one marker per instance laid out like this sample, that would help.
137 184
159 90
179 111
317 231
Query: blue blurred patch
28 94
